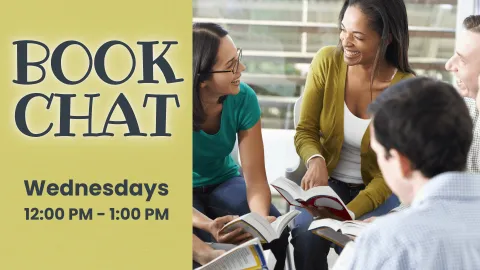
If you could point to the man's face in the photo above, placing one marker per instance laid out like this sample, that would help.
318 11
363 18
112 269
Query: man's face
392 170
465 63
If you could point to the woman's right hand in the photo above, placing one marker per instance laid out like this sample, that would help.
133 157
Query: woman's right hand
316 175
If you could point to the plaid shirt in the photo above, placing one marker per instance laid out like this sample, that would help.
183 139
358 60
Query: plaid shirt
473 162
440 231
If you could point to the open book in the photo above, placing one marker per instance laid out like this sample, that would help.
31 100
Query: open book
259 227
338 232
323 196
248 255
335 237
349 227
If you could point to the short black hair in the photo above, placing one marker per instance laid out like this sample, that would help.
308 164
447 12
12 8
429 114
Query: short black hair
472 23
425 120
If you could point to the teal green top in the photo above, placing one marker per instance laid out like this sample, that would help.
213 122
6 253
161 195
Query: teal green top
212 163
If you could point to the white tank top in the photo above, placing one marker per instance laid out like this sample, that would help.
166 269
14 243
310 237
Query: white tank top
348 167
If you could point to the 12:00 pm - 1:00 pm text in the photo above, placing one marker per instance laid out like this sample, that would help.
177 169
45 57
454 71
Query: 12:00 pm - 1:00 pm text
89 214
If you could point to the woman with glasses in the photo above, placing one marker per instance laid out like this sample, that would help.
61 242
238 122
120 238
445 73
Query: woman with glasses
225 108
332 135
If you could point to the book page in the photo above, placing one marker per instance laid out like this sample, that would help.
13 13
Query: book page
353 228
325 191
254 224
291 200
328 202
282 221
325 222
259 227
246 256
333 236
288 189
325 196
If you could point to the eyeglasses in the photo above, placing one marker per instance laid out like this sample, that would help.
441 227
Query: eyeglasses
235 67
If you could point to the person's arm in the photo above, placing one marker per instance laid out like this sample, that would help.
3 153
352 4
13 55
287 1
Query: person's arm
200 221
374 194
250 145
202 252
307 136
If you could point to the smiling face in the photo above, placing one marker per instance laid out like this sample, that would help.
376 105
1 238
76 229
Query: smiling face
360 43
465 63
226 83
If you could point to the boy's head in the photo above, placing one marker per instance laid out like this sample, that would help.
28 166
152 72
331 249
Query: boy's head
421 128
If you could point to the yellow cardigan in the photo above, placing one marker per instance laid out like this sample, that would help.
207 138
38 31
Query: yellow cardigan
320 127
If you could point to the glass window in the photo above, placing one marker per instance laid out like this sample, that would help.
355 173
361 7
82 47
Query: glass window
280 37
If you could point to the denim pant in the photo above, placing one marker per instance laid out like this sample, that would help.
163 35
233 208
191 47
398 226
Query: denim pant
230 198
310 250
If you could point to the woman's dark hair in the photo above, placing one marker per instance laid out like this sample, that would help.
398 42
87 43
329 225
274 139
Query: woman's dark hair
206 41
389 19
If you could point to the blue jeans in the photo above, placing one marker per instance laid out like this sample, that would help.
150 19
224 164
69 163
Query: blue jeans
311 251
230 198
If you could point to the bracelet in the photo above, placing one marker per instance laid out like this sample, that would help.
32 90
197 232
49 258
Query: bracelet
314 156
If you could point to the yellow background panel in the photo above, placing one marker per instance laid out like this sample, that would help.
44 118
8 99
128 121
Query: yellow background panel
100 243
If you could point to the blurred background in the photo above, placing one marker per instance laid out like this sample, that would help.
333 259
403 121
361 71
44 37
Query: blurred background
280 37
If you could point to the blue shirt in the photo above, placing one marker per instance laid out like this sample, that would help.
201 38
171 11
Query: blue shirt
441 230
212 163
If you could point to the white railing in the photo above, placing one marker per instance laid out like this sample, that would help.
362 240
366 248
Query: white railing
316 27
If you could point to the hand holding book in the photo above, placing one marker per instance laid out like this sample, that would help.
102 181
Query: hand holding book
318 199
261 227
338 232
236 236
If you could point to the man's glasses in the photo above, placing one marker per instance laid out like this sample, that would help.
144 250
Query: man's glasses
235 67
